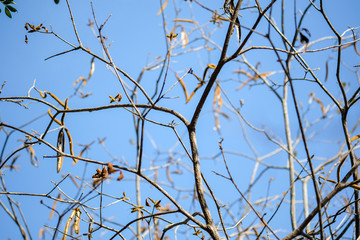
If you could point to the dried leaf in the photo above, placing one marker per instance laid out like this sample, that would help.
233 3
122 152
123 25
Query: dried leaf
111 168
105 172
162 7
121 176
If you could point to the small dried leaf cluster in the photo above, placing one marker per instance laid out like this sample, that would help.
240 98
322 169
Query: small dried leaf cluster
102 174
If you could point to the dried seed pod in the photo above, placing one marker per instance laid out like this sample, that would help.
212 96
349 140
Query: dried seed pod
77 220
67 226
61 147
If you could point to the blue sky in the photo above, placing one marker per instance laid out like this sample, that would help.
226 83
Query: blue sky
137 37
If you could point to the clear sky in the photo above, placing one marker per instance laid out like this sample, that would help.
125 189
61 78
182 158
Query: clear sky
136 34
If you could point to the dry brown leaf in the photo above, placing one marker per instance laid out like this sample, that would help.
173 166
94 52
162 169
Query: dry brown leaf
111 168
121 176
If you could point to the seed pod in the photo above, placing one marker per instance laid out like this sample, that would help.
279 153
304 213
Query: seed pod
77 220
61 147
67 226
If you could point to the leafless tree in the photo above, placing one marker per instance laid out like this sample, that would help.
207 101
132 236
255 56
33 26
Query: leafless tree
283 166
